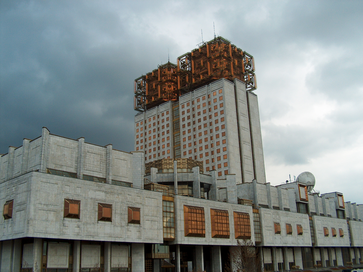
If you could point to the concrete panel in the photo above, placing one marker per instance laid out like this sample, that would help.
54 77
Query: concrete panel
180 201
356 231
119 256
321 240
58 255
269 217
91 256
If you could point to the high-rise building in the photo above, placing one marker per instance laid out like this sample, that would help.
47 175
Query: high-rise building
217 123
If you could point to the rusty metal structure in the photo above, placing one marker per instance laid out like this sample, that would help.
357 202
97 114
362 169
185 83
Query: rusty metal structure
213 60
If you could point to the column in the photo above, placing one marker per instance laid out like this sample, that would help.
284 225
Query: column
339 257
156 265
80 159
16 255
357 255
177 258
24 163
138 169
231 189
274 259
298 257
76 256
286 258
323 257
268 186
138 257
196 182
199 258
37 255
330 253
107 257
216 259
213 195
5 261
10 169
44 150
175 177
109 164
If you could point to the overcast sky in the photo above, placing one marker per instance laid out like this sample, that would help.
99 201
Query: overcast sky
70 66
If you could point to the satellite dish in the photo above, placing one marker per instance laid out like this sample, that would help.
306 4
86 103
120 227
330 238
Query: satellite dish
307 179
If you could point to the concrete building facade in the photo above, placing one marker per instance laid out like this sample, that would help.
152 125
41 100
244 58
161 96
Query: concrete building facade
62 211
218 124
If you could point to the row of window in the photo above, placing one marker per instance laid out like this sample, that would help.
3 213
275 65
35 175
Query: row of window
72 209
194 223
333 232
289 230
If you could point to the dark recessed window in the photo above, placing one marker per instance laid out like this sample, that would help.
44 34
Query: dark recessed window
104 212
8 209
134 215
277 228
72 208
299 230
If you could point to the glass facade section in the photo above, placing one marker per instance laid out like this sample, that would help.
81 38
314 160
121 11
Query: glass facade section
194 221
220 223
242 226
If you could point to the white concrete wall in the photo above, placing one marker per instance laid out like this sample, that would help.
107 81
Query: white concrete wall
18 190
180 201
269 217
320 222
39 207
258 157
244 130
356 231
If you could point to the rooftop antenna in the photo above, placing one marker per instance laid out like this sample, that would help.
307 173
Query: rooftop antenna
290 177
214 29
168 55
202 35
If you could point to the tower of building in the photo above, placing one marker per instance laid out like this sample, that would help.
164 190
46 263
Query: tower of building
203 108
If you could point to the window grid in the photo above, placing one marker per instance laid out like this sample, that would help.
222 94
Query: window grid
242 226
257 226
168 220
220 223
194 221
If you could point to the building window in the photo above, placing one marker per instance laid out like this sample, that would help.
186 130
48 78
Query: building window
333 232
302 207
220 223
303 192
72 208
194 222
341 233
277 228
242 226
326 232
288 229
299 230
168 218
341 201
104 212
134 215
8 209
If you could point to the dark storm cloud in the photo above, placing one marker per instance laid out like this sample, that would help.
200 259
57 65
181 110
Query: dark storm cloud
70 67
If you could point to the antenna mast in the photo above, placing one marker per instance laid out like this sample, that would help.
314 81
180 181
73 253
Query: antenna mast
214 30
